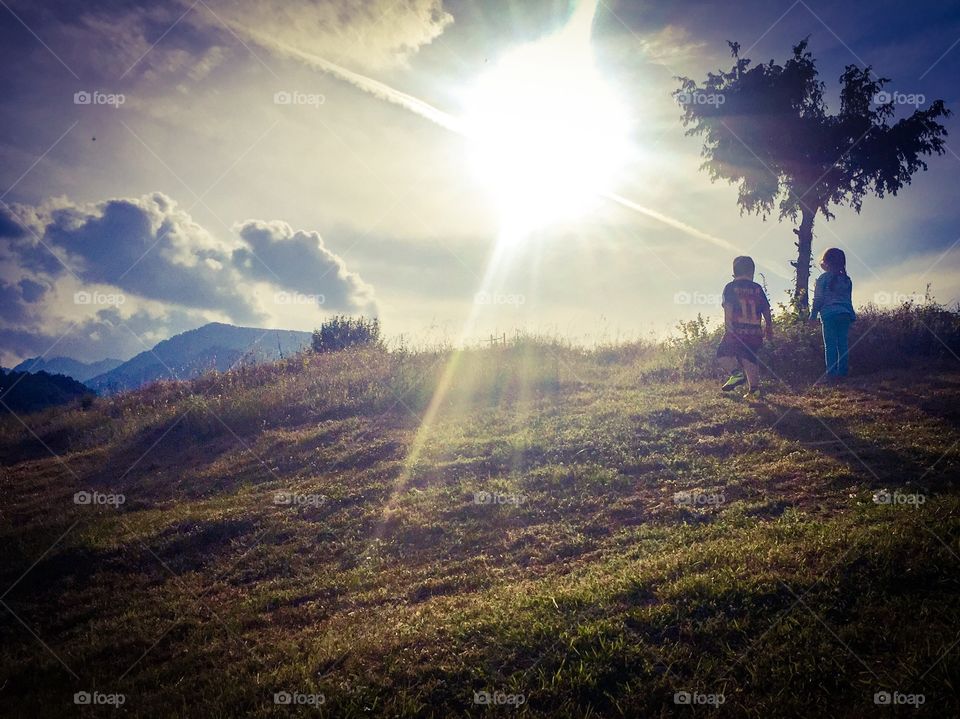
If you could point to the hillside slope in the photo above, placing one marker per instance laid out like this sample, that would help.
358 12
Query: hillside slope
557 533
215 346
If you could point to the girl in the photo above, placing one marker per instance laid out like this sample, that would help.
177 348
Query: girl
832 301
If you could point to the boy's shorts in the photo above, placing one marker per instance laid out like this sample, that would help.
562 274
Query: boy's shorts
740 346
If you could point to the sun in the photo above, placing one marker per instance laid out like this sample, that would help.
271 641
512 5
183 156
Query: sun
547 133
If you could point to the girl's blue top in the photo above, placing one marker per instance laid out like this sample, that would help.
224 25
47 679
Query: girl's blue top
830 301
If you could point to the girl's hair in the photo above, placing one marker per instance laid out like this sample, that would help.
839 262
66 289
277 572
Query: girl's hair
836 260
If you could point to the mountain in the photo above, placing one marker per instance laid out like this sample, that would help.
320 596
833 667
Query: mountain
24 392
189 354
80 371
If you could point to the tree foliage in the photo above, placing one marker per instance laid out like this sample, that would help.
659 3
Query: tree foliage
766 128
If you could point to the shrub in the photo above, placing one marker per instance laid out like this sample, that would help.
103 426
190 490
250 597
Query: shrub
692 350
341 332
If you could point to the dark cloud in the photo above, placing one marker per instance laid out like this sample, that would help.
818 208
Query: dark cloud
30 290
901 44
9 227
148 249
303 262
12 302
94 338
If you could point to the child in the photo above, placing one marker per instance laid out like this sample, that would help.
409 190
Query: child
832 301
744 304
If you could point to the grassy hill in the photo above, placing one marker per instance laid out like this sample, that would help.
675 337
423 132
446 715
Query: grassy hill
577 533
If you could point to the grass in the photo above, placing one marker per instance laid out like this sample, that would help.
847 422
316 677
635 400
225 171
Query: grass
590 532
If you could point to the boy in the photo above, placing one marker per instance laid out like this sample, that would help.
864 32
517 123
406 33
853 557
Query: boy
744 304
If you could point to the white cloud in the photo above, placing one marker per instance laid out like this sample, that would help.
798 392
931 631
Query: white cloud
910 279
375 34
145 260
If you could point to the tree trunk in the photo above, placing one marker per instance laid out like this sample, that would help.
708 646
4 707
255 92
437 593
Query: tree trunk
804 245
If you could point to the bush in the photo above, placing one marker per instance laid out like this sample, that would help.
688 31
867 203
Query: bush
692 351
341 332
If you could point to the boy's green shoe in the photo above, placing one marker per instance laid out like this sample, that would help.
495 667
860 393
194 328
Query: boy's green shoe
752 393
734 381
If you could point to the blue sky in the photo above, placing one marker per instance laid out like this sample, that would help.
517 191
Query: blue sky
203 199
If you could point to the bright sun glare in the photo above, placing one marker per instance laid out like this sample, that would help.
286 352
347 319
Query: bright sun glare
547 132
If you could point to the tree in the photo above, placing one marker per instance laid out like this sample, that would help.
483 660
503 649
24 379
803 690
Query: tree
767 128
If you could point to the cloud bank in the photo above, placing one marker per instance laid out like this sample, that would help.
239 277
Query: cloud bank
95 271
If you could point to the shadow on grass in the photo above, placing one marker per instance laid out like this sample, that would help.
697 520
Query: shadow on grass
872 462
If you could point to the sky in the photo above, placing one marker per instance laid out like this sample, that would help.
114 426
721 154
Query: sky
271 163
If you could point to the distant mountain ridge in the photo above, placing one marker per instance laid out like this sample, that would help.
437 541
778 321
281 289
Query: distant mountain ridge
75 369
215 346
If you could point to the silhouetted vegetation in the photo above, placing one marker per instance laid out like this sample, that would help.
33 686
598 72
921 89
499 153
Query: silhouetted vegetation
767 129
340 332
24 392
910 335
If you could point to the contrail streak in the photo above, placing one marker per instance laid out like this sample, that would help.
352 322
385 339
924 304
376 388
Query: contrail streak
688 229
665 219
454 124
369 85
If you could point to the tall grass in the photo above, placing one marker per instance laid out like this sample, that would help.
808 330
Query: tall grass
372 380
911 335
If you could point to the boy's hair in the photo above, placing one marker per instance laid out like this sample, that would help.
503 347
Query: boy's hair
743 265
